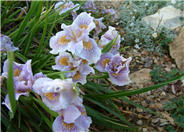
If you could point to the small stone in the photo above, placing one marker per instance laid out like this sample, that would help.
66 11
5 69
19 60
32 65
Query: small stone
139 122
144 129
155 120
144 103
163 94
139 110
163 122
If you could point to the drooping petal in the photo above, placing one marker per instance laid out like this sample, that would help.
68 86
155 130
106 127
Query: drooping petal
104 60
63 62
81 74
63 6
7 102
70 114
83 122
56 94
60 42
60 126
6 44
91 52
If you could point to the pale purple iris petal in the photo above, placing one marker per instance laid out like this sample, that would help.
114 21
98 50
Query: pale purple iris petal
83 122
70 114
63 61
60 126
118 70
99 25
59 43
76 48
7 102
23 77
110 35
63 6
89 6
39 75
17 95
56 94
84 21
83 71
6 44
39 85
74 32
104 60
91 52
111 12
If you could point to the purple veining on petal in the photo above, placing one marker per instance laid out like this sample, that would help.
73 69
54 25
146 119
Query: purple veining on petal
104 60
118 70
6 44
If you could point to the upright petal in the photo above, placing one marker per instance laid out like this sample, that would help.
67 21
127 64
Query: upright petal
91 52
84 21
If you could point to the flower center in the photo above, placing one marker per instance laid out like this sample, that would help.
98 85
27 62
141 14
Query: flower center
63 40
84 61
64 61
87 45
17 72
51 96
83 26
77 76
105 61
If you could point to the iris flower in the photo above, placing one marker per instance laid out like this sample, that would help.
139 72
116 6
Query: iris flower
117 68
23 79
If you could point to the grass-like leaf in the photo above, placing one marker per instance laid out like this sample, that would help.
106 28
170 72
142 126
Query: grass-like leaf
108 47
25 21
54 114
107 121
138 91
10 83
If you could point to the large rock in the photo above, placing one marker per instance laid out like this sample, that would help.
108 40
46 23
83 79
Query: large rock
168 17
141 78
177 50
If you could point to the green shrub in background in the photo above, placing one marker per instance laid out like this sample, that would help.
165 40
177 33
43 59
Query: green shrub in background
138 33
176 108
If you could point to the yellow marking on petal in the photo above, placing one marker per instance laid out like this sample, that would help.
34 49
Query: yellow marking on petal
83 113
83 26
116 74
68 126
50 96
105 61
84 61
87 45
63 40
17 72
64 61
77 76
